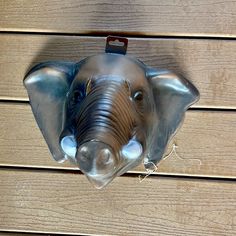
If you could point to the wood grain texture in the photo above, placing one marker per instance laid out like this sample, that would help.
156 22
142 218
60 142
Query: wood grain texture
163 17
67 203
210 64
206 143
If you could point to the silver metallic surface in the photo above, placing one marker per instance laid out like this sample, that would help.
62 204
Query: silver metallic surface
108 112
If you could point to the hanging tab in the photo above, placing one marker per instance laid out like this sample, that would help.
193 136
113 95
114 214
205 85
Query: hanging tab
116 45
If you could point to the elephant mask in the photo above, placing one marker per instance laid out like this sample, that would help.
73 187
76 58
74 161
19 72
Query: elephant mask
108 112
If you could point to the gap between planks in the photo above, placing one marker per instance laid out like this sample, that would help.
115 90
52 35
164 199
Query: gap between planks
32 233
130 174
17 100
131 35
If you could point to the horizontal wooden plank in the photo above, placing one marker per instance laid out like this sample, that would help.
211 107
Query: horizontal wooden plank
66 203
210 64
206 143
163 17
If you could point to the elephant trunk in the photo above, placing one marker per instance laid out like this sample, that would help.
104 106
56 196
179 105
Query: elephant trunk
106 115
105 122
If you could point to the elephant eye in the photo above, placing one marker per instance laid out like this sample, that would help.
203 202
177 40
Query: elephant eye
77 96
138 96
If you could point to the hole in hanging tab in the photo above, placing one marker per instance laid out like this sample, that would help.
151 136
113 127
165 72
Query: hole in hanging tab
116 43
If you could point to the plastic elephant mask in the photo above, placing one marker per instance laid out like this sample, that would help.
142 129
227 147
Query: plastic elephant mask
107 113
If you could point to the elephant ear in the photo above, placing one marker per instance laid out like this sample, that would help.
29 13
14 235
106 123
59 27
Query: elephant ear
172 96
47 85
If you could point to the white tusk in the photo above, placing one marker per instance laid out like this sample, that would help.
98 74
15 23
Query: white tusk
68 145
132 150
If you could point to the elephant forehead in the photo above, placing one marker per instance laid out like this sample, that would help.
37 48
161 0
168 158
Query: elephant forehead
114 64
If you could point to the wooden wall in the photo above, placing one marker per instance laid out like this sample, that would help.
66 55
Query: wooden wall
193 193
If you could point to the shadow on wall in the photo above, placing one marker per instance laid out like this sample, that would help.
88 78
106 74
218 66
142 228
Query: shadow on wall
68 48
75 48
